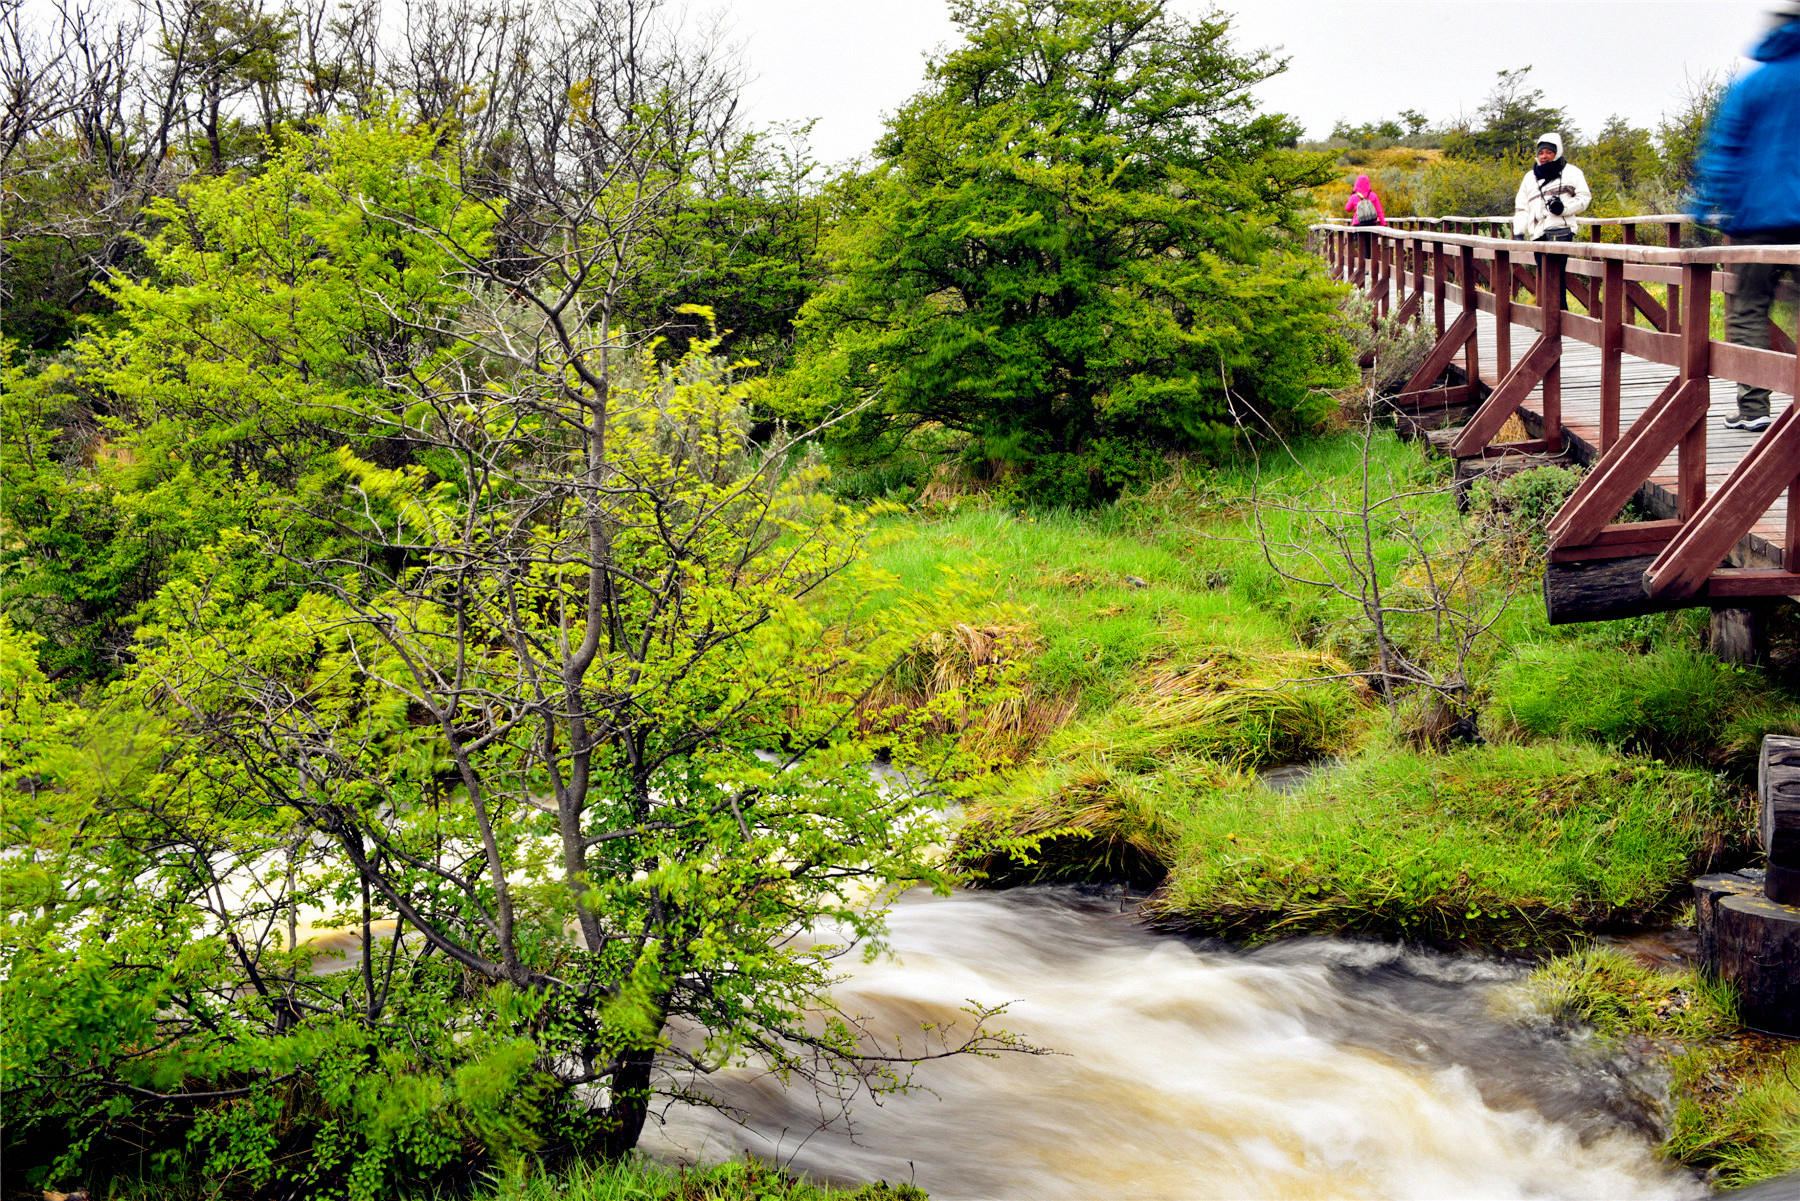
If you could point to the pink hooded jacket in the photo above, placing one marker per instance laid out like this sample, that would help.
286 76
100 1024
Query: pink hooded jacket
1365 188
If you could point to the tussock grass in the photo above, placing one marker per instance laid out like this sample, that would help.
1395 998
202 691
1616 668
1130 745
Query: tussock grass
957 662
1735 1096
1247 710
1670 701
1513 845
1086 819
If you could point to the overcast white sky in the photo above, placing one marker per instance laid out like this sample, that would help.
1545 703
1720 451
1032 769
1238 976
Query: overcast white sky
845 62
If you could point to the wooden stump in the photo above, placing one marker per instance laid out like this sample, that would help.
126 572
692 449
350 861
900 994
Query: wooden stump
1756 946
1708 892
1739 635
1778 790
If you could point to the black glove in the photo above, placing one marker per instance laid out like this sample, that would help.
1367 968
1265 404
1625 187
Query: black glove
1556 205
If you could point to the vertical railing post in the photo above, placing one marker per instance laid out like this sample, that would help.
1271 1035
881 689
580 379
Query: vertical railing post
1790 549
1471 303
1439 264
1418 268
1503 292
1696 365
1551 275
1674 306
1612 348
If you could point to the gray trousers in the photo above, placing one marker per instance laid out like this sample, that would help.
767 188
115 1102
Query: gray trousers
1748 323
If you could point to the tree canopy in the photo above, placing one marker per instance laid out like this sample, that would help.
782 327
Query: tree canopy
1079 248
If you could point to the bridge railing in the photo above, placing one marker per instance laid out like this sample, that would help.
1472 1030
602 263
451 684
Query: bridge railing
1398 265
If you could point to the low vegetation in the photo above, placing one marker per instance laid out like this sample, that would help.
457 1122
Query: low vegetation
1735 1108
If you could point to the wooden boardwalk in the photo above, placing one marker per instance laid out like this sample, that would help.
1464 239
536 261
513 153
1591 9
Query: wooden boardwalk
1641 381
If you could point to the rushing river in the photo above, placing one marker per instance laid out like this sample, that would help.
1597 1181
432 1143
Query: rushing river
1314 1068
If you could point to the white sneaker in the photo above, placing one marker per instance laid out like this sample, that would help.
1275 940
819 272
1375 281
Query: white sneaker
1754 425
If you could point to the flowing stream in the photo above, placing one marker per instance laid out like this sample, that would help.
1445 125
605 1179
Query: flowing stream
1313 1068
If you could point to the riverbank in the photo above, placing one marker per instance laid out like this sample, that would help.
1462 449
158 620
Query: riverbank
1164 657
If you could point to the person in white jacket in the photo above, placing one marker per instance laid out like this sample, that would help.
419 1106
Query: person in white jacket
1550 195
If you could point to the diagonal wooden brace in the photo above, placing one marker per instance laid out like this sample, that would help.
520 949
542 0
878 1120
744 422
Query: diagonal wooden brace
1444 353
1407 311
1727 515
1505 401
1642 448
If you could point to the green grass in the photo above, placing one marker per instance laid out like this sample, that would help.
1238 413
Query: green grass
1669 701
1735 1096
639 1179
1172 692
633 1179
1519 845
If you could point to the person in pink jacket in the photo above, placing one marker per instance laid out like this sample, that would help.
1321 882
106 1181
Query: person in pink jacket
1364 206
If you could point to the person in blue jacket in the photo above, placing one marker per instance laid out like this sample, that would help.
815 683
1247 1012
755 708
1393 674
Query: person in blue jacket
1747 183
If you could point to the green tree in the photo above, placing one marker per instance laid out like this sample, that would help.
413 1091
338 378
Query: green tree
281 308
1079 248
1682 130
1622 156
494 646
1508 122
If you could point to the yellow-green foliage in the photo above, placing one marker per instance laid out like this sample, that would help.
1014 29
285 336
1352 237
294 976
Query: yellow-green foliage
1734 1095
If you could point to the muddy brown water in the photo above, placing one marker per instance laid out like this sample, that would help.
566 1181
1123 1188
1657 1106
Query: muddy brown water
1315 1068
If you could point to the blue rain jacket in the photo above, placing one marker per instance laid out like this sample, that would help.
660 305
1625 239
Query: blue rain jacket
1748 176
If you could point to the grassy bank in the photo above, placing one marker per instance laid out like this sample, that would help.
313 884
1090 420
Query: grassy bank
1164 660
1735 1112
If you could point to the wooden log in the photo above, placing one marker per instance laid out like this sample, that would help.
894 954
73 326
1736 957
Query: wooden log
1778 791
1782 884
1756 946
1739 635
1600 591
1708 891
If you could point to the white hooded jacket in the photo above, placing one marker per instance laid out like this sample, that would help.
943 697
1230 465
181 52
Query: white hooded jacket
1531 207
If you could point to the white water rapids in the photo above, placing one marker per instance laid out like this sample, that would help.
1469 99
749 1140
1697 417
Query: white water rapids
1311 1069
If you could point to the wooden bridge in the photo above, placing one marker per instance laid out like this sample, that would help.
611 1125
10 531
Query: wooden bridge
1612 375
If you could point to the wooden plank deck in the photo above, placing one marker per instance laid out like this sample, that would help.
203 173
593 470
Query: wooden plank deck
1640 382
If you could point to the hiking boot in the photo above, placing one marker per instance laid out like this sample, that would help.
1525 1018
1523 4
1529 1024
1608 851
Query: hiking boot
1754 425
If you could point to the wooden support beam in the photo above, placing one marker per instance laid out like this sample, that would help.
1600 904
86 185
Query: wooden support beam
1505 400
1640 299
1723 519
1605 489
1739 635
1439 264
1550 306
1612 345
1434 398
1696 365
1471 298
1449 342
1729 583
1503 294
1621 541
1606 590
